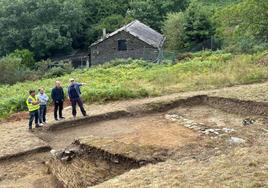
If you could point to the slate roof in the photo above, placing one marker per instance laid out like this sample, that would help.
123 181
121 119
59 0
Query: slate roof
141 31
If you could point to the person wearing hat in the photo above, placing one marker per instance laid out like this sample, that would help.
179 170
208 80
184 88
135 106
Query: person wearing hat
33 107
74 94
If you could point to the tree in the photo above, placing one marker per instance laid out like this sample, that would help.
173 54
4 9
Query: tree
46 40
154 12
244 26
198 28
95 12
174 31
32 24
111 23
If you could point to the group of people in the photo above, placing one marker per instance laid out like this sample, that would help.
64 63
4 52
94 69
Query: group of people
37 104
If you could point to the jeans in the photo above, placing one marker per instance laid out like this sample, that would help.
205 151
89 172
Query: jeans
80 104
34 115
43 112
58 106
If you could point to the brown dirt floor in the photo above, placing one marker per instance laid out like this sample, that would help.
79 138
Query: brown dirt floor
27 172
150 130
239 167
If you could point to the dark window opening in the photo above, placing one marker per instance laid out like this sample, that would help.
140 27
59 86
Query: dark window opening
122 45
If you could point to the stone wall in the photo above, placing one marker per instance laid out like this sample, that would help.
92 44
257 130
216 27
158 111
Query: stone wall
136 49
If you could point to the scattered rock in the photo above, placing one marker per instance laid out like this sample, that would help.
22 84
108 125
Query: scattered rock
115 160
56 153
200 127
228 130
236 140
65 155
248 121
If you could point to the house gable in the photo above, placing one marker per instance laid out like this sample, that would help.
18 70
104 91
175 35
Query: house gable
108 49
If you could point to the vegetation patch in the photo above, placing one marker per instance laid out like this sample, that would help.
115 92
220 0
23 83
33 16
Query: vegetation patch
125 79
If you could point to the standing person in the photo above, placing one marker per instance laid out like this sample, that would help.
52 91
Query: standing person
33 107
43 98
57 95
74 94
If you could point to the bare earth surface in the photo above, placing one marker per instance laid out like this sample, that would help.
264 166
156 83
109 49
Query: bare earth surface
26 172
146 130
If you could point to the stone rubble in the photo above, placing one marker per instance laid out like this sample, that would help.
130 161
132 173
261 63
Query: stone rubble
67 154
236 140
248 121
200 127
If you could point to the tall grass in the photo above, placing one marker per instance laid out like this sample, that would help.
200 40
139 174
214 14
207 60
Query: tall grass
124 79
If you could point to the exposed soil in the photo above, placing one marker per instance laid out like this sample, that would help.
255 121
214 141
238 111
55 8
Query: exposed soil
95 160
148 126
27 172
264 60
152 129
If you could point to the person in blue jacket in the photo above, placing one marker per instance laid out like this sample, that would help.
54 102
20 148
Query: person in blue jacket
74 94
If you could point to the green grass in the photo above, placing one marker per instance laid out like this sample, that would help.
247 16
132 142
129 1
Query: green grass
124 79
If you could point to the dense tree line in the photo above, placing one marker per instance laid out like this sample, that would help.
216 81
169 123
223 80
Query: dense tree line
56 26
48 27
235 26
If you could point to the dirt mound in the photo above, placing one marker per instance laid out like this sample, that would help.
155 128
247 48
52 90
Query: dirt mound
264 60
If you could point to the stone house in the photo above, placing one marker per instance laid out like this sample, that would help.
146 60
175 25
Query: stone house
134 40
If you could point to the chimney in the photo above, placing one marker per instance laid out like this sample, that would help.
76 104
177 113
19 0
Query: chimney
103 32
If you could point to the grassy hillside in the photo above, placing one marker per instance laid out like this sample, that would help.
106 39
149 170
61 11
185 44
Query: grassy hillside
135 78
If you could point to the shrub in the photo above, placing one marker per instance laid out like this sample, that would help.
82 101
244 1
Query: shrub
49 69
13 71
26 57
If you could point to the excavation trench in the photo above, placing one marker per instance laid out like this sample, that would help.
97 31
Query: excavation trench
113 143
124 124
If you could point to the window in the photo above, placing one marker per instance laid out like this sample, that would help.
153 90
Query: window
122 45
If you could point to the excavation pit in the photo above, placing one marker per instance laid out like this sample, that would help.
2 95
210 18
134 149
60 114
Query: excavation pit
146 134
120 145
151 129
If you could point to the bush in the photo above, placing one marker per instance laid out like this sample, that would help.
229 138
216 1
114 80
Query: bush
13 71
49 69
26 57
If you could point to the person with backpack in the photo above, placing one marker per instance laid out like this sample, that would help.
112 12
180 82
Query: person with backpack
57 96
74 94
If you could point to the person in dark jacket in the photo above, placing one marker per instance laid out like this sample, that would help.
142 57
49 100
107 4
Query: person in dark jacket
57 96
74 94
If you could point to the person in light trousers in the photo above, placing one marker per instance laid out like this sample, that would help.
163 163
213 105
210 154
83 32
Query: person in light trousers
43 98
